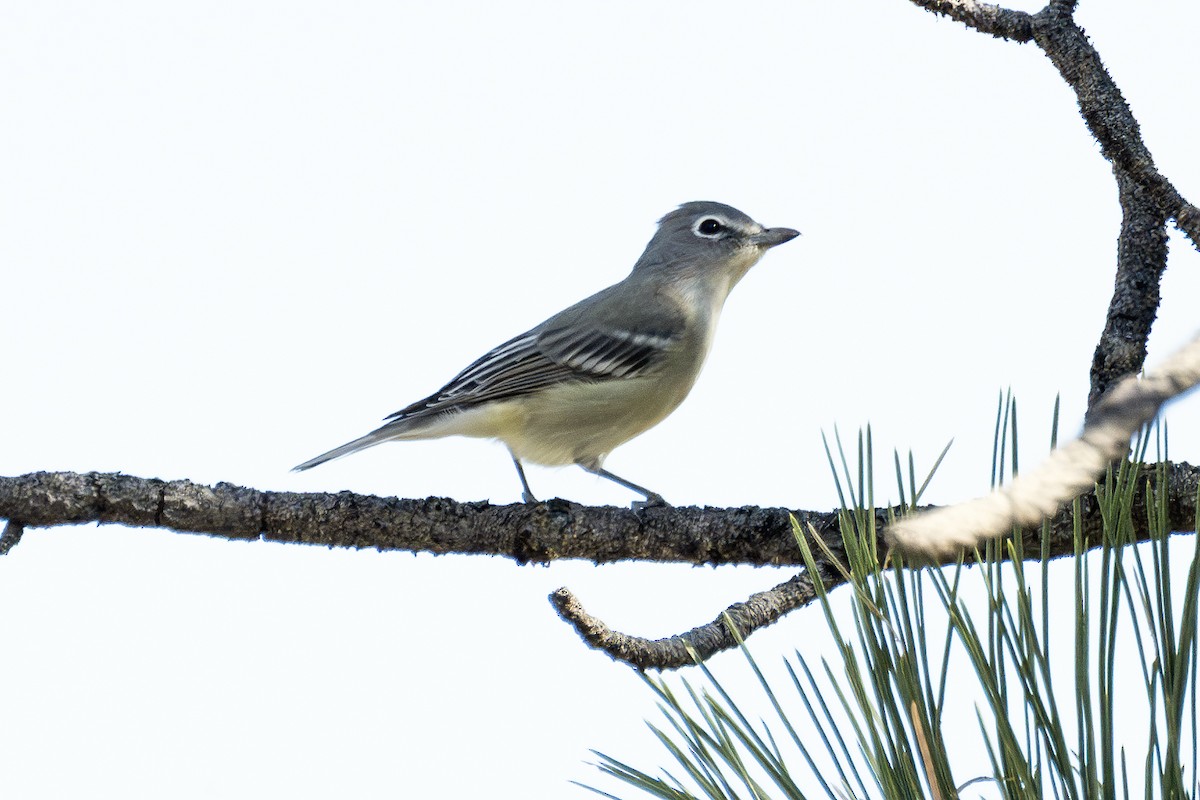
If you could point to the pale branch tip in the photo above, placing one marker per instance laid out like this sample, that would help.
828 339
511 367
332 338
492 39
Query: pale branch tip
1069 471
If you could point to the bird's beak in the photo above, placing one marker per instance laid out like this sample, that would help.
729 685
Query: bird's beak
773 236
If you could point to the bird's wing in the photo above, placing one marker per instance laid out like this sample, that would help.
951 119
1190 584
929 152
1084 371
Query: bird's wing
586 350
603 352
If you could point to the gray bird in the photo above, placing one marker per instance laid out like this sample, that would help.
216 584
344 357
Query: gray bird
606 369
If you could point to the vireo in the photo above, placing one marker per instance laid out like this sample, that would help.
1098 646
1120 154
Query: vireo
606 369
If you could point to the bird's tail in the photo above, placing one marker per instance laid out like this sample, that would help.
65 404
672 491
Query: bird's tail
362 443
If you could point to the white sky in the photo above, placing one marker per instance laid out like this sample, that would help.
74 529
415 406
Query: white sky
235 235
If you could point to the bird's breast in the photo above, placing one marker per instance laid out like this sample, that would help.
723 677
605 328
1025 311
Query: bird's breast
585 421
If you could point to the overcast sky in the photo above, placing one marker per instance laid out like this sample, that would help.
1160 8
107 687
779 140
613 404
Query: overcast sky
237 234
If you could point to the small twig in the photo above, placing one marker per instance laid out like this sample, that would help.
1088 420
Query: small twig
1188 221
11 536
1003 23
759 611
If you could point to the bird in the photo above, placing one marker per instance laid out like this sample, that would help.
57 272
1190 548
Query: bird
610 367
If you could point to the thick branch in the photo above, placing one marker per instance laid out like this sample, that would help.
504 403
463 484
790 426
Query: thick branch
1148 199
1103 107
540 532
1141 261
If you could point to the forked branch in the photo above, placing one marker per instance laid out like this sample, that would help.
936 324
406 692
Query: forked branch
1148 200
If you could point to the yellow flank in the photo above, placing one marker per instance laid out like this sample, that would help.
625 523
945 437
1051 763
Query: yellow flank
569 423
582 423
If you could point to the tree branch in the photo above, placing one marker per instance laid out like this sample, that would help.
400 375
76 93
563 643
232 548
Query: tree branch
1148 200
541 532
1141 261
537 533
765 608
1000 22
1103 107
758 611
10 537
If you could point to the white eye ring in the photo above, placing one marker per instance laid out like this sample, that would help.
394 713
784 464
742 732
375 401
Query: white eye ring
710 227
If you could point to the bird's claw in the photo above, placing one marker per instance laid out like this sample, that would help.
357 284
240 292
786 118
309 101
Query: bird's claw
652 500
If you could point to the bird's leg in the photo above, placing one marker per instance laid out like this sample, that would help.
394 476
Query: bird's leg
652 500
527 494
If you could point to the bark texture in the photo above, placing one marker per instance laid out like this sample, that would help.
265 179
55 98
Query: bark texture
539 532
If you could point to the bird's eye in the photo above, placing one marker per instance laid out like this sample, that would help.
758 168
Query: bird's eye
709 227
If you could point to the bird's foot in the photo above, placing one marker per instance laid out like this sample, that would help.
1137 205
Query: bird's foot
653 500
